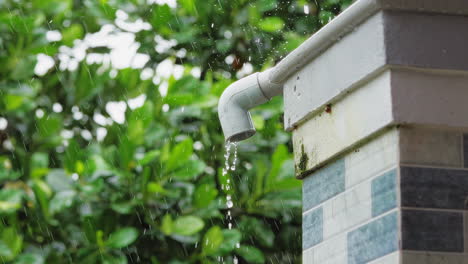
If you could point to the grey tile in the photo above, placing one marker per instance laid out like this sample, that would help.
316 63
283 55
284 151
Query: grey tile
465 149
323 184
312 228
430 147
373 240
465 230
384 193
433 188
425 257
432 231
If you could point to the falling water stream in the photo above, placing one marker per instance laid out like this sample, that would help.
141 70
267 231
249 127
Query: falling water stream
229 165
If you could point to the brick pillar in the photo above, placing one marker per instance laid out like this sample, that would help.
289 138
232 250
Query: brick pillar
380 124
400 197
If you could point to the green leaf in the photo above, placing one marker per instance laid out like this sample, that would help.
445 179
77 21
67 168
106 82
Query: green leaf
285 184
189 170
122 237
136 131
154 187
224 45
254 14
19 24
126 153
232 239
123 207
180 154
25 68
143 113
161 15
251 254
87 85
149 157
109 259
345 4
61 201
6 170
279 156
10 200
39 164
188 225
261 169
49 126
30 258
138 121
73 153
271 24
212 240
259 122
188 5
42 192
204 195
260 231
179 99
207 101
266 5
326 16
12 101
167 225
292 41
58 180
74 31
11 244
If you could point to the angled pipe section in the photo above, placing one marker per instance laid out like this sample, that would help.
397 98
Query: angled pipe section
239 98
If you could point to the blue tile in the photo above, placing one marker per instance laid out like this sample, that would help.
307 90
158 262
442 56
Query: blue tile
432 230
433 188
384 193
373 240
465 149
312 228
323 184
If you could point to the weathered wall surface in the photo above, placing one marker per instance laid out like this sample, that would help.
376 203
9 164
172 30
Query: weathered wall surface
383 150
400 197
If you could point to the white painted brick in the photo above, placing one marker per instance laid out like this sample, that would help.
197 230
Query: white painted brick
393 258
308 256
379 154
357 116
333 225
433 258
358 195
332 251
338 205
347 210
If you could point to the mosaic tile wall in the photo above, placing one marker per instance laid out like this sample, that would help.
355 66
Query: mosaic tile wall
401 198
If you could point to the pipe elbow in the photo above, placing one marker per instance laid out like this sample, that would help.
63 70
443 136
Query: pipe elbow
269 88
234 106
239 98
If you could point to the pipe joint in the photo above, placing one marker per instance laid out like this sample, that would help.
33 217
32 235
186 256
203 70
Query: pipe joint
239 98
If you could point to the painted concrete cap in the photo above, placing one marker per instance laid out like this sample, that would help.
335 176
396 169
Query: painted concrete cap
366 39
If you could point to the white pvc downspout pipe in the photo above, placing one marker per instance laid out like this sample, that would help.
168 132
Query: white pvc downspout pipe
258 88
239 98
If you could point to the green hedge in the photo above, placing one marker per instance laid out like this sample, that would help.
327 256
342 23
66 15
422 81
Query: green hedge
151 190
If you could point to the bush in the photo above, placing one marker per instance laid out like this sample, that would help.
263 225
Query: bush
106 158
